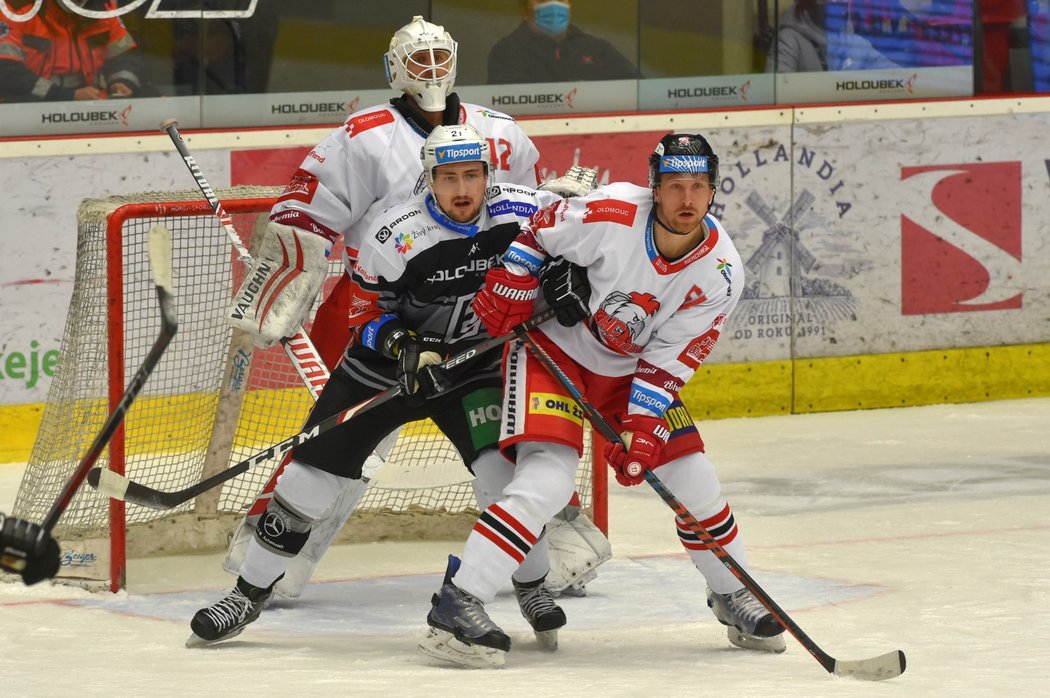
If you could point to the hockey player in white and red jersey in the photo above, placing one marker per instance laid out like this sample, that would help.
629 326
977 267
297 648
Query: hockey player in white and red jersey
663 276
362 168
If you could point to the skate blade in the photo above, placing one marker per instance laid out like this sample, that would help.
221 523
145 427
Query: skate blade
547 639
773 644
195 640
444 646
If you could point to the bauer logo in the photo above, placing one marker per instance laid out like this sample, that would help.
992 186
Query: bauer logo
961 238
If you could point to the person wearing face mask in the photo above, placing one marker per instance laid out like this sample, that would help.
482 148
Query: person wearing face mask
546 47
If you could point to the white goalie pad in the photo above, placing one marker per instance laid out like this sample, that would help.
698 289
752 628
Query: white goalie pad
279 289
577 549
577 181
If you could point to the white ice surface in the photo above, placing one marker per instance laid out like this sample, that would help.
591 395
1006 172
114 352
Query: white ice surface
921 529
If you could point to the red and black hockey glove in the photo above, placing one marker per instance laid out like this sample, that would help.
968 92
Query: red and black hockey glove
505 301
643 444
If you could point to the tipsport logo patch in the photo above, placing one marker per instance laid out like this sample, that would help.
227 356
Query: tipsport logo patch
961 246
457 153
683 163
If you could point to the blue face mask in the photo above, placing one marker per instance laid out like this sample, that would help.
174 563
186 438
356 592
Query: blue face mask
552 17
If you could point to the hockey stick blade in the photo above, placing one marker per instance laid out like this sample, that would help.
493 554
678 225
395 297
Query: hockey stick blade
885 666
125 489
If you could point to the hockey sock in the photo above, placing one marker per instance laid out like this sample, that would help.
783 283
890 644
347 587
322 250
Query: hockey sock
544 479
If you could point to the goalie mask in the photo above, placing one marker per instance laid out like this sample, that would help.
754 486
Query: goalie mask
421 63
448 144
683 152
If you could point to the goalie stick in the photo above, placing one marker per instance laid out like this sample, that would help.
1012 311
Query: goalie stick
300 349
160 262
122 488
885 666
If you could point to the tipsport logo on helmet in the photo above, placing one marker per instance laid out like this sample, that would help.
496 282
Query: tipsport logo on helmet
683 163
457 153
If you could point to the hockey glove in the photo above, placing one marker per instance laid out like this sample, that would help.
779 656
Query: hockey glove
505 301
26 549
643 444
577 181
412 357
566 290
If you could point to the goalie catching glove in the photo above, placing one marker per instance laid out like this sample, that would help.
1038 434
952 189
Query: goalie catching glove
644 438
281 286
28 550
506 300
578 181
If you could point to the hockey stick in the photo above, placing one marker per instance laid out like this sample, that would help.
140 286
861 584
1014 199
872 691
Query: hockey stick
120 487
160 261
885 666
300 349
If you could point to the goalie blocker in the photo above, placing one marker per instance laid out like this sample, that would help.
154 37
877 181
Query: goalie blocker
281 285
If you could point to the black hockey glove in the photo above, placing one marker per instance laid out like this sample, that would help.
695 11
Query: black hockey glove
413 356
28 550
566 290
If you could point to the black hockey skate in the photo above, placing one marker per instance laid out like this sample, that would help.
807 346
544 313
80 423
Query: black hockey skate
227 618
750 625
537 606
461 631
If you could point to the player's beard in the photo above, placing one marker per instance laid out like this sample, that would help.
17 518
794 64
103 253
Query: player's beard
678 230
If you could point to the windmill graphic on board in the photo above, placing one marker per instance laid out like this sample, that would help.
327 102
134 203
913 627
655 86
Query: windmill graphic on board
779 261
780 270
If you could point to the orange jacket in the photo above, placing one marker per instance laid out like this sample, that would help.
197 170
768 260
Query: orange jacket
52 54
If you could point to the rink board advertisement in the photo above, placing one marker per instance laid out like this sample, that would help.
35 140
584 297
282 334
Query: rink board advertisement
863 237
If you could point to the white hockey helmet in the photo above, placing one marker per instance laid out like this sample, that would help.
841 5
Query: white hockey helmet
459 143
421 63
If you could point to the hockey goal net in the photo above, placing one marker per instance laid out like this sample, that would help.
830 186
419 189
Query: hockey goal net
188 422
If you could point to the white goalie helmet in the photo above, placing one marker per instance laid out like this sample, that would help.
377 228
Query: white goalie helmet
459 143
421 63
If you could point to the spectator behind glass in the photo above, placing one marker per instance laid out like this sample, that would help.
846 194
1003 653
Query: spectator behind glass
803 44
547 48
58 56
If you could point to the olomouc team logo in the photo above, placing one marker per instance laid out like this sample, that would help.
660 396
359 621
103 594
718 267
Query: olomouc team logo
621 318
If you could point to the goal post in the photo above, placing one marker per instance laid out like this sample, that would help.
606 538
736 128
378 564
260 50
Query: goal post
213 401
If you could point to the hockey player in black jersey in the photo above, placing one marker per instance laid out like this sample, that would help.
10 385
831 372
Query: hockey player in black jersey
415 278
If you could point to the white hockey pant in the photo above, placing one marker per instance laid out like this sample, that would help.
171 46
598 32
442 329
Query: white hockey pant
544 479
